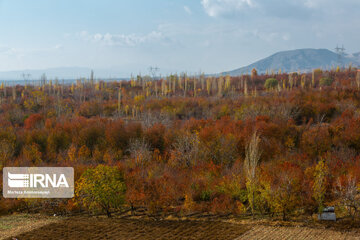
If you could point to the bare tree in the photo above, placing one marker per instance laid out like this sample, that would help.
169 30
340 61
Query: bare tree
348 193
186 148
139 151
252 158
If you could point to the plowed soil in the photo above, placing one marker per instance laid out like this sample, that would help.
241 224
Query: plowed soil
83 227
280 233
102 228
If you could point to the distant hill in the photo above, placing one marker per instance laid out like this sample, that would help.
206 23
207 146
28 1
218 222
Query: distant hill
61 73
301 59
356 56
288 61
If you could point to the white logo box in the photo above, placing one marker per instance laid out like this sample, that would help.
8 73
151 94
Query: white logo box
38 182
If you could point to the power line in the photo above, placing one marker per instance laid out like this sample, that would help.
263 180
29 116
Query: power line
340 51
153 71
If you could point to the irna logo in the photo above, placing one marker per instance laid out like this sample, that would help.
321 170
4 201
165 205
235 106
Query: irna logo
38 182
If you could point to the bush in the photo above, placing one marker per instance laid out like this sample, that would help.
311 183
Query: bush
326 81
90 109
34 121
271 83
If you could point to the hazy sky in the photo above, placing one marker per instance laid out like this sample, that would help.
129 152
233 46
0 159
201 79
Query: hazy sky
175 35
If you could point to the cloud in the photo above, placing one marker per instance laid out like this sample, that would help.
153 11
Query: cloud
129 40
311 3
6 50
67 35
296 9
58 46
265 36
12 51
187 10
216 8
286 37
276 8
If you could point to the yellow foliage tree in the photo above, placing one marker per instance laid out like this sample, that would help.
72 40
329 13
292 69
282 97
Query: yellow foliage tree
320 183
102 188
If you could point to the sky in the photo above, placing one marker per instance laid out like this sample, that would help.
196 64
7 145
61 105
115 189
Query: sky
175 35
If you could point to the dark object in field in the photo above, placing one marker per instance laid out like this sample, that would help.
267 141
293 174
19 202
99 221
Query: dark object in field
328 214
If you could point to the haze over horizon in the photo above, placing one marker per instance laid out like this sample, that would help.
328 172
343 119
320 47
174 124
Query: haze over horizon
207 35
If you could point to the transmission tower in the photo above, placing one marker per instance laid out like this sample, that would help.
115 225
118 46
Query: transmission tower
26 77
340 51
153 71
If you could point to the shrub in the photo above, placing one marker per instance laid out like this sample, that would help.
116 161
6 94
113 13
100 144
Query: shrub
271 83
90 109
33 121
326 81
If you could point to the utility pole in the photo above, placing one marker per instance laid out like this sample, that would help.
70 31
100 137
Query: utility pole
26 77
340 51
153 71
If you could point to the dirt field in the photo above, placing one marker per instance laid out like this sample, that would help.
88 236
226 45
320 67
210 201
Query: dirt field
102 228
16 224
36 227
280 233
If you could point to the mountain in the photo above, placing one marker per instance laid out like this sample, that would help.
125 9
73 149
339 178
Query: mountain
61 73
288 61
356 56
301 59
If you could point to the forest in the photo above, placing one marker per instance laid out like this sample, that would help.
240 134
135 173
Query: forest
280 145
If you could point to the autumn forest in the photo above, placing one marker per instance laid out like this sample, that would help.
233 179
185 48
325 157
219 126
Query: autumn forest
279 145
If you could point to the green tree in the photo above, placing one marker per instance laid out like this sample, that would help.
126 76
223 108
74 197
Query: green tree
101 187
326 81
271 83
